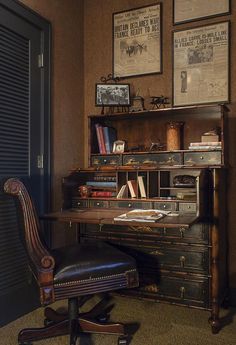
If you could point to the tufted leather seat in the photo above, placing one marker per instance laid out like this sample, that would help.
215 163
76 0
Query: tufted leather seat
88 261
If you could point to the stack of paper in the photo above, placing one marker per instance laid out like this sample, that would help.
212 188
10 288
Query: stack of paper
142 215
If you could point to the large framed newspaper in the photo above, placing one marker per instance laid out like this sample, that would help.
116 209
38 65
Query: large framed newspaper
137 41
201 65
188 10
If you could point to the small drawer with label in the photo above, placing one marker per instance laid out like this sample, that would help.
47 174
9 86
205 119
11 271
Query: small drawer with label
79 203
167 206
202 158
187 207
130 204
111 160
153 159
98 203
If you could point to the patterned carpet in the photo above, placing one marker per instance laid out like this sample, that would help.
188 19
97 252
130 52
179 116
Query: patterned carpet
159 324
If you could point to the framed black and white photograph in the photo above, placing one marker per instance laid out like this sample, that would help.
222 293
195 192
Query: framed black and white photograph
201 65
112 95
137 41
186 10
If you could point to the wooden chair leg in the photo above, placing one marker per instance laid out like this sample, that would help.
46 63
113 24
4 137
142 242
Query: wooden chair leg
33 334
90 326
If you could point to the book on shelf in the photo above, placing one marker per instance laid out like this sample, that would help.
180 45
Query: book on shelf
109 137
205 147
101 183
140 215
108 194
123 192
104 177
206 143
142 186
133 188
100 139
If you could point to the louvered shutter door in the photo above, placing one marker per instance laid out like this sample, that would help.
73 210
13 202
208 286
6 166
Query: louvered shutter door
14 151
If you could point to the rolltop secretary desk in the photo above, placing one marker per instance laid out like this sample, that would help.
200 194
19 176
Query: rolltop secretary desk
182 257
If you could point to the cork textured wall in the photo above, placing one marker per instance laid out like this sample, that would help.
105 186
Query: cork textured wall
82 53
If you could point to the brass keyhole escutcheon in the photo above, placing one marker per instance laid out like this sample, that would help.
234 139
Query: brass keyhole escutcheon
182 261
182 292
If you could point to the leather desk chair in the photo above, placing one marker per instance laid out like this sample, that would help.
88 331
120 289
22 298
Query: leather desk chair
67 273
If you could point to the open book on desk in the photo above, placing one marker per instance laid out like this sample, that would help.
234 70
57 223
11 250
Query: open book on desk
137 215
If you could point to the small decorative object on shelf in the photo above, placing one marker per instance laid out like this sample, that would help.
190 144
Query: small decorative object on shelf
173 136
158 101
211 136
157 146
119 146
184 181
137 103
85 191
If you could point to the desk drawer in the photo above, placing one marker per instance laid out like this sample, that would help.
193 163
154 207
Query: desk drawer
197 233
98 203
177 290
106 160
131 204
187 207
174 258
202 158
79 203
153 159
166 206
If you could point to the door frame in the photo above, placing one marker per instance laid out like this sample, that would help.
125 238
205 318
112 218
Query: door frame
44 25
26 14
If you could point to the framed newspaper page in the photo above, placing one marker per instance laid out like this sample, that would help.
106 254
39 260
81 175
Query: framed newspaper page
137 41
189 10
201 65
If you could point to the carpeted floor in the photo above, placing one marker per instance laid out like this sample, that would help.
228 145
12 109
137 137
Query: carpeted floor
159 324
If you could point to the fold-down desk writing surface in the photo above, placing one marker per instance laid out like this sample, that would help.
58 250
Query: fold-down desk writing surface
106 216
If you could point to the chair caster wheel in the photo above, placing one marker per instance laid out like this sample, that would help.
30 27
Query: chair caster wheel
48 322
124 340
103 318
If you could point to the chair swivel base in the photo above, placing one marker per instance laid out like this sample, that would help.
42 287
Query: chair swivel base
57 324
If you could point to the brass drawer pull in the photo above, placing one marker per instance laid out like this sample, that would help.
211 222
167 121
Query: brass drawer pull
182 231
201 157
147 161
96 161
182 292
129 205
78 203
105 161
156 252
141 228
182 261
98 203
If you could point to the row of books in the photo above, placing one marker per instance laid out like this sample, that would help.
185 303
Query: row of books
133 186
105 138
206 145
